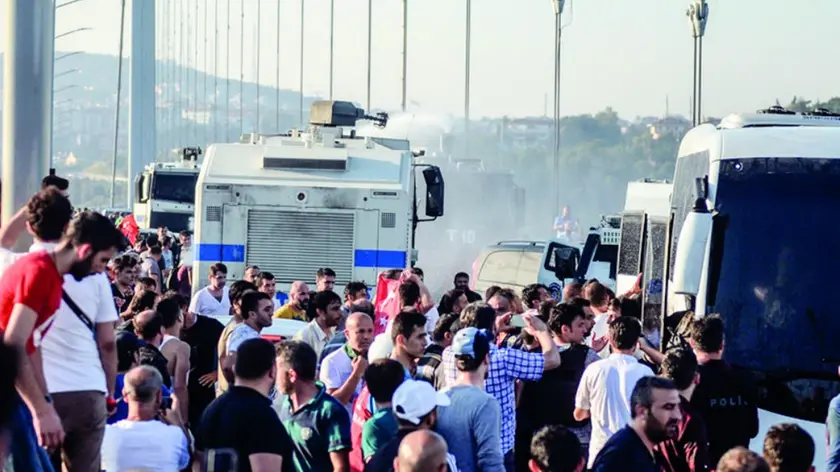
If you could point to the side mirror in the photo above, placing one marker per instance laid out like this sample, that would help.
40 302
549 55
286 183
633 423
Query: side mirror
565 263
138 189
434 191
691 250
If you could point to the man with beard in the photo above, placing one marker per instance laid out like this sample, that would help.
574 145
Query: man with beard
655 408
295 308
30 295
256 315
688 451
321 329
317 423
237 290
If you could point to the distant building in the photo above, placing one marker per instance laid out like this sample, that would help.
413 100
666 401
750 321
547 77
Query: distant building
672 126
526 133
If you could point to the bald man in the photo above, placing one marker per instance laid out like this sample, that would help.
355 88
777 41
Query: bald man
422 451
148 326
295 308
342 371
160 429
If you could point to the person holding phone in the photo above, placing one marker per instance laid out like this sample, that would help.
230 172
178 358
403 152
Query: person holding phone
153 436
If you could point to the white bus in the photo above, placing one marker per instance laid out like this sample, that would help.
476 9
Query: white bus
754 202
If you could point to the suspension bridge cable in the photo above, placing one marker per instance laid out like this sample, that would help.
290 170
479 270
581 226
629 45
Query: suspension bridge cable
190 44
117 114
277 58
180 70
227 75
158 71
205 117
241 66
215 111
257 61
196 95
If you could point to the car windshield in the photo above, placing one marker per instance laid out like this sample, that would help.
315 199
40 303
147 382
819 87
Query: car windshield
777 264
174 187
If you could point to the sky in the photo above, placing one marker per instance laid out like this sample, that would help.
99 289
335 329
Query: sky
629 55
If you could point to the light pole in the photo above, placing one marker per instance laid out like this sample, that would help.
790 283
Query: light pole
467 50
558 30
404 52
369 49
77 30
698 15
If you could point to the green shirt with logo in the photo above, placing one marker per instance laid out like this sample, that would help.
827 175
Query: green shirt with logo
319 427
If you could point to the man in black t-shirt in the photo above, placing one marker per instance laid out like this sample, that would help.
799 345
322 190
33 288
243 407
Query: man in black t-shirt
241 425
655 412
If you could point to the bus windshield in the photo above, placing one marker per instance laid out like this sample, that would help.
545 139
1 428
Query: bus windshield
174 187
774 289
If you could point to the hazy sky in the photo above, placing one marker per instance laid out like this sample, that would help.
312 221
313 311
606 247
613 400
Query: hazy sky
626 54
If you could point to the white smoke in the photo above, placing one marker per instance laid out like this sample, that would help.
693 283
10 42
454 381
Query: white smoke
422 130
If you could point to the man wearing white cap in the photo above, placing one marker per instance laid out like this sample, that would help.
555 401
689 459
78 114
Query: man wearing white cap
472 423
414 405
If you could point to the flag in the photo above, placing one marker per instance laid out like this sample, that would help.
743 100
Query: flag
128 227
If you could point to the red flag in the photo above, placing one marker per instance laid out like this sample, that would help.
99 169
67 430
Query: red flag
388 302
129 229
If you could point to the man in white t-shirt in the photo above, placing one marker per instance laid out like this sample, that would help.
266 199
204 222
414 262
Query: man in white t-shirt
604 391
213 299
256 315
343 370
152 437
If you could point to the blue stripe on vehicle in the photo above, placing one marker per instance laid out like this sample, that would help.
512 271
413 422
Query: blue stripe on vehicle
220 252
380 258
362 258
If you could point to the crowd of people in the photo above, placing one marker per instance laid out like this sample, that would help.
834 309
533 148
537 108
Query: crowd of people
110 362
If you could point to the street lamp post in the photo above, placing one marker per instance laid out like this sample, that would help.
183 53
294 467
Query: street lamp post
698 15
558 30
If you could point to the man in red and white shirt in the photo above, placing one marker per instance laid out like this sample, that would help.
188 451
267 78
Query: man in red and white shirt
30 295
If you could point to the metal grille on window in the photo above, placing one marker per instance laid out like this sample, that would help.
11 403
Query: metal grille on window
293 245
213 213
389 220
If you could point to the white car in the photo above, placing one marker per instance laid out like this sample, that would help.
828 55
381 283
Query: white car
279 330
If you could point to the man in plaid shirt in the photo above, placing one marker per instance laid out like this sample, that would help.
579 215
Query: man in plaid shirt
506 365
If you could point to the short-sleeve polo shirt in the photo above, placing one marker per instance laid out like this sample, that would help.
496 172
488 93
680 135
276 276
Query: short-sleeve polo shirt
319 427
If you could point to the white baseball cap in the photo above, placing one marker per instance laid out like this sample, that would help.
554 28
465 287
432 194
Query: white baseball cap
415 399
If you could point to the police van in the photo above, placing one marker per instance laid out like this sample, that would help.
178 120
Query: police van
320 197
